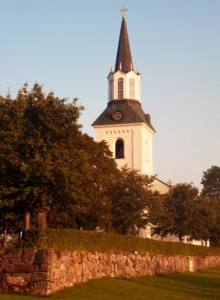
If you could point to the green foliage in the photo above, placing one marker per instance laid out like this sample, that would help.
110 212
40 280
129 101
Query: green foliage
211 182
206 219
178 212
183 212
47 164
69 239
158 216
129 195
38 134
211 203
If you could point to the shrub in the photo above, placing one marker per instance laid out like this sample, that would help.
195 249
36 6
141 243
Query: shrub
69 239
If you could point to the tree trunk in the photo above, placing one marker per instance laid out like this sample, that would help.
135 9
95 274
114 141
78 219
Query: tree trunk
4 244
20 240
27 221
42 219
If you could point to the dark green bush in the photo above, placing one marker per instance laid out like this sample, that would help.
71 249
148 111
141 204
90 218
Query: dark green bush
69 239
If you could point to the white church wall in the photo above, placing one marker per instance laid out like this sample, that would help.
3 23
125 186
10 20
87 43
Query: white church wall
160 186
145 232
126 87
137 140
147 153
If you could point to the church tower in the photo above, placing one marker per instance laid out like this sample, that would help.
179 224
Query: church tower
123 124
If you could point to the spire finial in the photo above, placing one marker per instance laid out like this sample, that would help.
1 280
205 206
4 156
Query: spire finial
123 11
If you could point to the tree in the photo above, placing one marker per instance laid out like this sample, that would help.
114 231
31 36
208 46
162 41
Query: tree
211 182
100 171
33 138
184 213
91 206
206 219
158 217
47 163
130 199
177 211
9 156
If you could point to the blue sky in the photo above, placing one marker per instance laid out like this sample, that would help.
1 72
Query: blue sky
70 45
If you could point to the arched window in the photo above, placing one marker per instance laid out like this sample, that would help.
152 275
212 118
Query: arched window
132 88
111 89
120 88
119 149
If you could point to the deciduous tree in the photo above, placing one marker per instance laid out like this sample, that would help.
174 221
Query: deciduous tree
39 135
211 182
48 163
177 211
130 200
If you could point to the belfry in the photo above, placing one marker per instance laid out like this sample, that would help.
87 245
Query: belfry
123 124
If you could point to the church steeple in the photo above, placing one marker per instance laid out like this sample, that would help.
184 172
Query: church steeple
123 59
124 81
123 124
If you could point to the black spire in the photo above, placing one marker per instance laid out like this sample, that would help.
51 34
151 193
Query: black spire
123 59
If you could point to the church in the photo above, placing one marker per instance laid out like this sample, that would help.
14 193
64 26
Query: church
124 125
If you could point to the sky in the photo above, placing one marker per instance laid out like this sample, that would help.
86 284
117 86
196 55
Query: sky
69 46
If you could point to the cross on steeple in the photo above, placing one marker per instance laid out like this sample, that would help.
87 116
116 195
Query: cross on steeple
123 11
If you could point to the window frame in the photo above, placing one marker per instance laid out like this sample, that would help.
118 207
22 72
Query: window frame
120 88
119 149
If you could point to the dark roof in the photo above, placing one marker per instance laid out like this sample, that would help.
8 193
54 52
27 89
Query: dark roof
123 59
131 110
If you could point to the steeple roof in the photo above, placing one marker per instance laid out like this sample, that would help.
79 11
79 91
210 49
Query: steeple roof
123 59
131 111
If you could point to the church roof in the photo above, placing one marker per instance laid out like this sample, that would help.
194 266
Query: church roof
123 58
131 111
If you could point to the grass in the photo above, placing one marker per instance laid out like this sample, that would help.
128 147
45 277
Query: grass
191 286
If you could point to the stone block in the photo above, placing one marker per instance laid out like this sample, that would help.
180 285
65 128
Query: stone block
39 276
79 279
42 256
43 268
24 268
40 285
56 273
12 252
9 269
28 255
15 280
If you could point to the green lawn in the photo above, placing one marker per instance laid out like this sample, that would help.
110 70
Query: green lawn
201 285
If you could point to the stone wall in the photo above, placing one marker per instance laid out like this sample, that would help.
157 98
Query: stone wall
44 271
